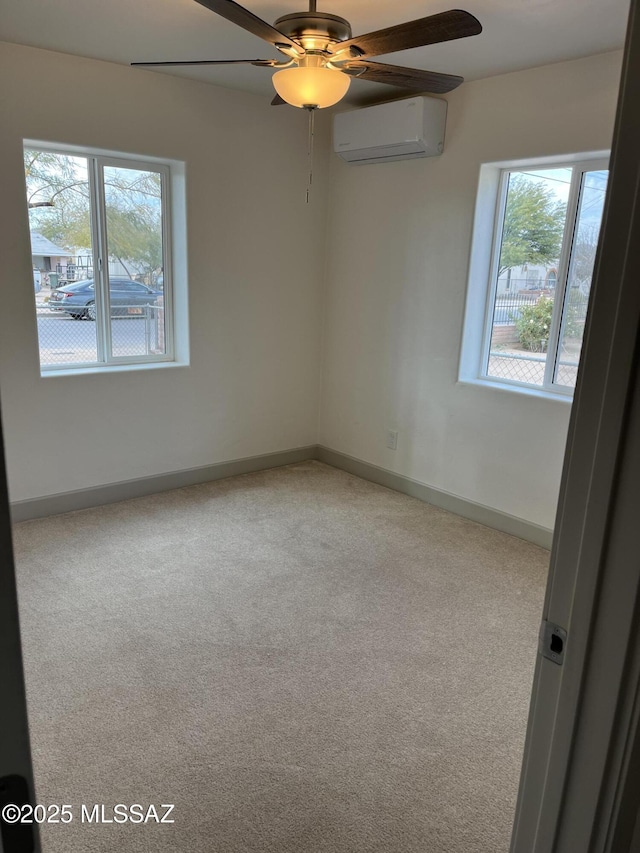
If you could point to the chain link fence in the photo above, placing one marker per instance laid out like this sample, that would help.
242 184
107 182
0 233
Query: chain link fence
567 373
529 368
64 338
510 357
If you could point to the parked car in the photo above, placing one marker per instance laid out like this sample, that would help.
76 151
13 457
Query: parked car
127 297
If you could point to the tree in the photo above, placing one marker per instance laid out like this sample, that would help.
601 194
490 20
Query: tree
58 197
47 176
59 208
584 253
533 224
134 217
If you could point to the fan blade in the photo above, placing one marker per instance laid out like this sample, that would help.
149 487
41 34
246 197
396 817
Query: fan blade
237 14
454 24
262 62
408 78
277 101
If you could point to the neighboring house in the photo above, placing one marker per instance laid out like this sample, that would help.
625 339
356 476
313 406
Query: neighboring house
82 267
527 277
45 255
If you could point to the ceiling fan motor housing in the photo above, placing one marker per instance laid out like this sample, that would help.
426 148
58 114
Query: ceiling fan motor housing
314 30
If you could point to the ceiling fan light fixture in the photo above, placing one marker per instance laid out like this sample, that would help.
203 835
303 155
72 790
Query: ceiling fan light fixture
309 86
321 45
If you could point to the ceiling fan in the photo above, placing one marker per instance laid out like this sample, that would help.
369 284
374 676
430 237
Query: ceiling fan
321 56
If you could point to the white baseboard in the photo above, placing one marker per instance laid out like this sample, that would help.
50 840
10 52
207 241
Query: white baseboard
445 500
122 491
113 492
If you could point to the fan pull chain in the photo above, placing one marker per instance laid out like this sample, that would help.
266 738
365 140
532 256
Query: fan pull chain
310 150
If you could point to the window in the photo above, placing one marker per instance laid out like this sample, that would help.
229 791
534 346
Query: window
101 240
538 261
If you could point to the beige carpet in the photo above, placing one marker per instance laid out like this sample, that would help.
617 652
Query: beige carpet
301 661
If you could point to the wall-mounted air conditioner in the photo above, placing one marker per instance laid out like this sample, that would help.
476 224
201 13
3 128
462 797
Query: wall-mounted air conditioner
400 130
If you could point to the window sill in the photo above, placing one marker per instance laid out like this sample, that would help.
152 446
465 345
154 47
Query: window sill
525 390
112 368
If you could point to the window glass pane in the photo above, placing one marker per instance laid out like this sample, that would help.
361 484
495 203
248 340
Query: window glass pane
524 287
133 202
583 254
62 256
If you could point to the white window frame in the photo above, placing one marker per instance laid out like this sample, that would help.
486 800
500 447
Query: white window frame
172 174
483 268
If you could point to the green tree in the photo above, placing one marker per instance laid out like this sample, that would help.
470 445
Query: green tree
533 224
48 175
134 217
58 199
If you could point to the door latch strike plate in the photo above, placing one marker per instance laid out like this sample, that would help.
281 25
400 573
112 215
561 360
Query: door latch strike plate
553 642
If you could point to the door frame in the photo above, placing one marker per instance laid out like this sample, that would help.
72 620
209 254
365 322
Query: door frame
583 722
15 748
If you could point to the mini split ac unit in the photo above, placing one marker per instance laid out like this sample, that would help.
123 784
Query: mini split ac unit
400 130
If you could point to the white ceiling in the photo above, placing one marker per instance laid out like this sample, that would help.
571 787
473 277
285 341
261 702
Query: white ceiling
517 34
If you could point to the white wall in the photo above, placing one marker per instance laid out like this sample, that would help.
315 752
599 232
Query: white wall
255 258
399 238
398 257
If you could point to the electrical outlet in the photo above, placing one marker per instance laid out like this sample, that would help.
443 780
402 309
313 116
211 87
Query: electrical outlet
392 439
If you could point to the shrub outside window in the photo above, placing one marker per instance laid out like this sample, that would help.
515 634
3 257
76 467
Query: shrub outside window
100 243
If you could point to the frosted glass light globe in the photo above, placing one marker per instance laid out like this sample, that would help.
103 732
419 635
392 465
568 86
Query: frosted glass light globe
311 86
